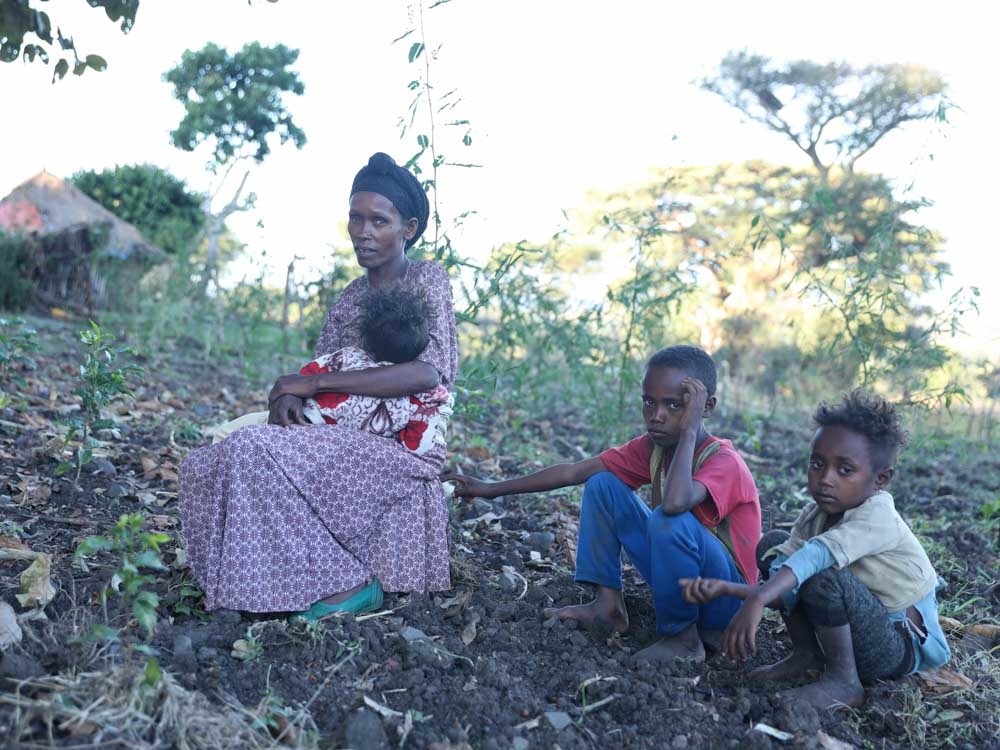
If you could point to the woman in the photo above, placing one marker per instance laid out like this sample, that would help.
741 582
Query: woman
321 518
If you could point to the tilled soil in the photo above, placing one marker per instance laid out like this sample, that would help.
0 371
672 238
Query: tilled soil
478 666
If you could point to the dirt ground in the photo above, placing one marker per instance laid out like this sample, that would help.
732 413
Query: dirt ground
478 666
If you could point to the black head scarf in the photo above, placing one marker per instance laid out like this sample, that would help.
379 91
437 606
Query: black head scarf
383 176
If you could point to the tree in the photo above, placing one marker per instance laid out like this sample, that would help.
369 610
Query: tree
154 201
21 18
834 113
857 251
233 103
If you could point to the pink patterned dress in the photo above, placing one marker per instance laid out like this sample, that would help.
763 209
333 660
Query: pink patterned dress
276 518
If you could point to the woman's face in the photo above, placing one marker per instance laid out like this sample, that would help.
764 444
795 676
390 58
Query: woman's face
377 230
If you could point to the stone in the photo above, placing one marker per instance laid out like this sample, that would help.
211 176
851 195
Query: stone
184 656
558 719
117 489
364 730
540 541
102 467
679 742
410 634
5 500
427 653
509 582
519 743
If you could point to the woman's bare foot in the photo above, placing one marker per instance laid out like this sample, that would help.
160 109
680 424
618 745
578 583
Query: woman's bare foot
608 608
343 596
796 664
684 645
828 693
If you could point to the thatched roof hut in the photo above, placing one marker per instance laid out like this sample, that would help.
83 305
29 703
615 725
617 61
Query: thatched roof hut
46 205
73 245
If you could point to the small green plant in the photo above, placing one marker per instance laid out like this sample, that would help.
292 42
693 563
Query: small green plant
17 343
102 380
249 648
187 431
137 550
188 599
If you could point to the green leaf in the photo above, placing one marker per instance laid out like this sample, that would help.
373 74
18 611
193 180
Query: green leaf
145 615
415 50
423 141
152 674
96 62
755 221
101 632
63 467
93 544
61 69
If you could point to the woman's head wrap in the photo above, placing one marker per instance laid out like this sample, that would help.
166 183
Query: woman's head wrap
383 176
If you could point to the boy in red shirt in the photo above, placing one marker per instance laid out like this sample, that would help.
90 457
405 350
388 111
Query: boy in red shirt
705 513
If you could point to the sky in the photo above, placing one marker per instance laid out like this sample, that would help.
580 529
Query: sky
564 97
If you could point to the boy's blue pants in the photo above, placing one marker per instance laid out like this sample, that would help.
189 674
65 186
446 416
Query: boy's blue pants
663 548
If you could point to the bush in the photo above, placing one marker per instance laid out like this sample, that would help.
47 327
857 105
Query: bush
15 290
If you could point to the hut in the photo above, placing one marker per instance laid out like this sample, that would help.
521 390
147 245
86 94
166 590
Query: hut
73 246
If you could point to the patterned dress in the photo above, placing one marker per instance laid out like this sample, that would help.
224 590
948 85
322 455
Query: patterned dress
276 518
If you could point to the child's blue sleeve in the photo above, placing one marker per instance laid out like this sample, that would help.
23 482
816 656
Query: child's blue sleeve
810 559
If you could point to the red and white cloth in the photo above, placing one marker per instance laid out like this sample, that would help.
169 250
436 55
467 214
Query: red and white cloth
417 422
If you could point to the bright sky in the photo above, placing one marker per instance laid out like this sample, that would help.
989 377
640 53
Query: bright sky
564 96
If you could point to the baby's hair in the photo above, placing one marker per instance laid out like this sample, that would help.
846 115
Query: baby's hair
394 324
689 359
871 416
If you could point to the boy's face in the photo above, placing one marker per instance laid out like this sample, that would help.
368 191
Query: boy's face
841 476
665 398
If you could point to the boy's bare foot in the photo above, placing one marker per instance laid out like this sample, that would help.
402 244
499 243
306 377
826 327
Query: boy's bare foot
828 693
685 645
607 609
712 639
592 614
796 664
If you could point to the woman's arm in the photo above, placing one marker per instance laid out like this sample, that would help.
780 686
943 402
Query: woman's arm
389 381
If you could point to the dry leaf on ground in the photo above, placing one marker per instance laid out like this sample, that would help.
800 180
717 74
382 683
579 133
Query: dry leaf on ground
37 589
827 742
469 631
10 631
943 680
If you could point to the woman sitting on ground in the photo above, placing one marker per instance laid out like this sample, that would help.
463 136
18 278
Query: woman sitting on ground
322 518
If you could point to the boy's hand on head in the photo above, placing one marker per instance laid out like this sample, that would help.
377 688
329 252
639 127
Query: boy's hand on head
703 590
466 486
695 397
739 641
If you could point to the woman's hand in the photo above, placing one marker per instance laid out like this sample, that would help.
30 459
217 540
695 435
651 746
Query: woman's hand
285 411
301 386
703 590
466 486
739 640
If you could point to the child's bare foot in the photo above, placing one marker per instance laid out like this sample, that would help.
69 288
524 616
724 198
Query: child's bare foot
607 609
796 664
685 645
828 693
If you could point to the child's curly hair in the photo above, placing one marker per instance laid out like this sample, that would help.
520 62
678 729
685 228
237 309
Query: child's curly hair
871 416
394 324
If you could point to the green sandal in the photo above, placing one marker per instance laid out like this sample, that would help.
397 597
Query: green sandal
367 599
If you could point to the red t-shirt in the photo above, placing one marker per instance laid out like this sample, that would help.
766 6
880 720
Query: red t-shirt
732 493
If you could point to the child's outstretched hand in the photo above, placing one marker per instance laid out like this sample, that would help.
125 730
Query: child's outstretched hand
466 486
695 397
703 590
739 641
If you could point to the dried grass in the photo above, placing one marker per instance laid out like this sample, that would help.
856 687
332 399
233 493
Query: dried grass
114 708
